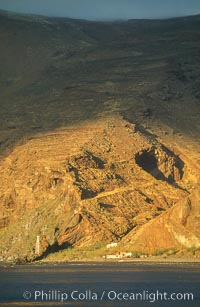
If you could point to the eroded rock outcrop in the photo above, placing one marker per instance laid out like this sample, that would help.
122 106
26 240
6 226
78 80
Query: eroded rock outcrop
161 163
74 193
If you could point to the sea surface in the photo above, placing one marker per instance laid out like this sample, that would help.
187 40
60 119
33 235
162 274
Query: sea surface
100 284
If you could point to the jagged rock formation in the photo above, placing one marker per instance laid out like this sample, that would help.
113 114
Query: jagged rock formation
161 163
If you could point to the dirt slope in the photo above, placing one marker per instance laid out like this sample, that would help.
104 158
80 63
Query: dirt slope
178 227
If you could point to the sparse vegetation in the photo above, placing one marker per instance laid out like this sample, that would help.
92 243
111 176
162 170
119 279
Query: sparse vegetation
193 250
165 251
92 252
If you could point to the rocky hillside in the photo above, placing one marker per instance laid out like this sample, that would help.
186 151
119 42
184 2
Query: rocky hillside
177 227
99 134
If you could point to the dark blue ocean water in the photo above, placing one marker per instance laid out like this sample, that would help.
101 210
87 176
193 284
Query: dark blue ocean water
96 284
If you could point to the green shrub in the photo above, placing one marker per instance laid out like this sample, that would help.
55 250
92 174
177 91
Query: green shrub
193 249
160 252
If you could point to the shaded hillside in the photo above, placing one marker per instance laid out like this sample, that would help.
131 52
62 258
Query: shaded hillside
99 130
55 71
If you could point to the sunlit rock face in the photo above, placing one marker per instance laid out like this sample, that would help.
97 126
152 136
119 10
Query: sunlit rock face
90 192
178 227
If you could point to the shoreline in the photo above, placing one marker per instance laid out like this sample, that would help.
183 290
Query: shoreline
154 261
158 261
149 260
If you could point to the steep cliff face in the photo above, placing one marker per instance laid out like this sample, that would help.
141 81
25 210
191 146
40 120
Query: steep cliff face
161 163
69 190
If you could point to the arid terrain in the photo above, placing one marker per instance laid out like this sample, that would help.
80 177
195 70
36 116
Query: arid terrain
99 136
